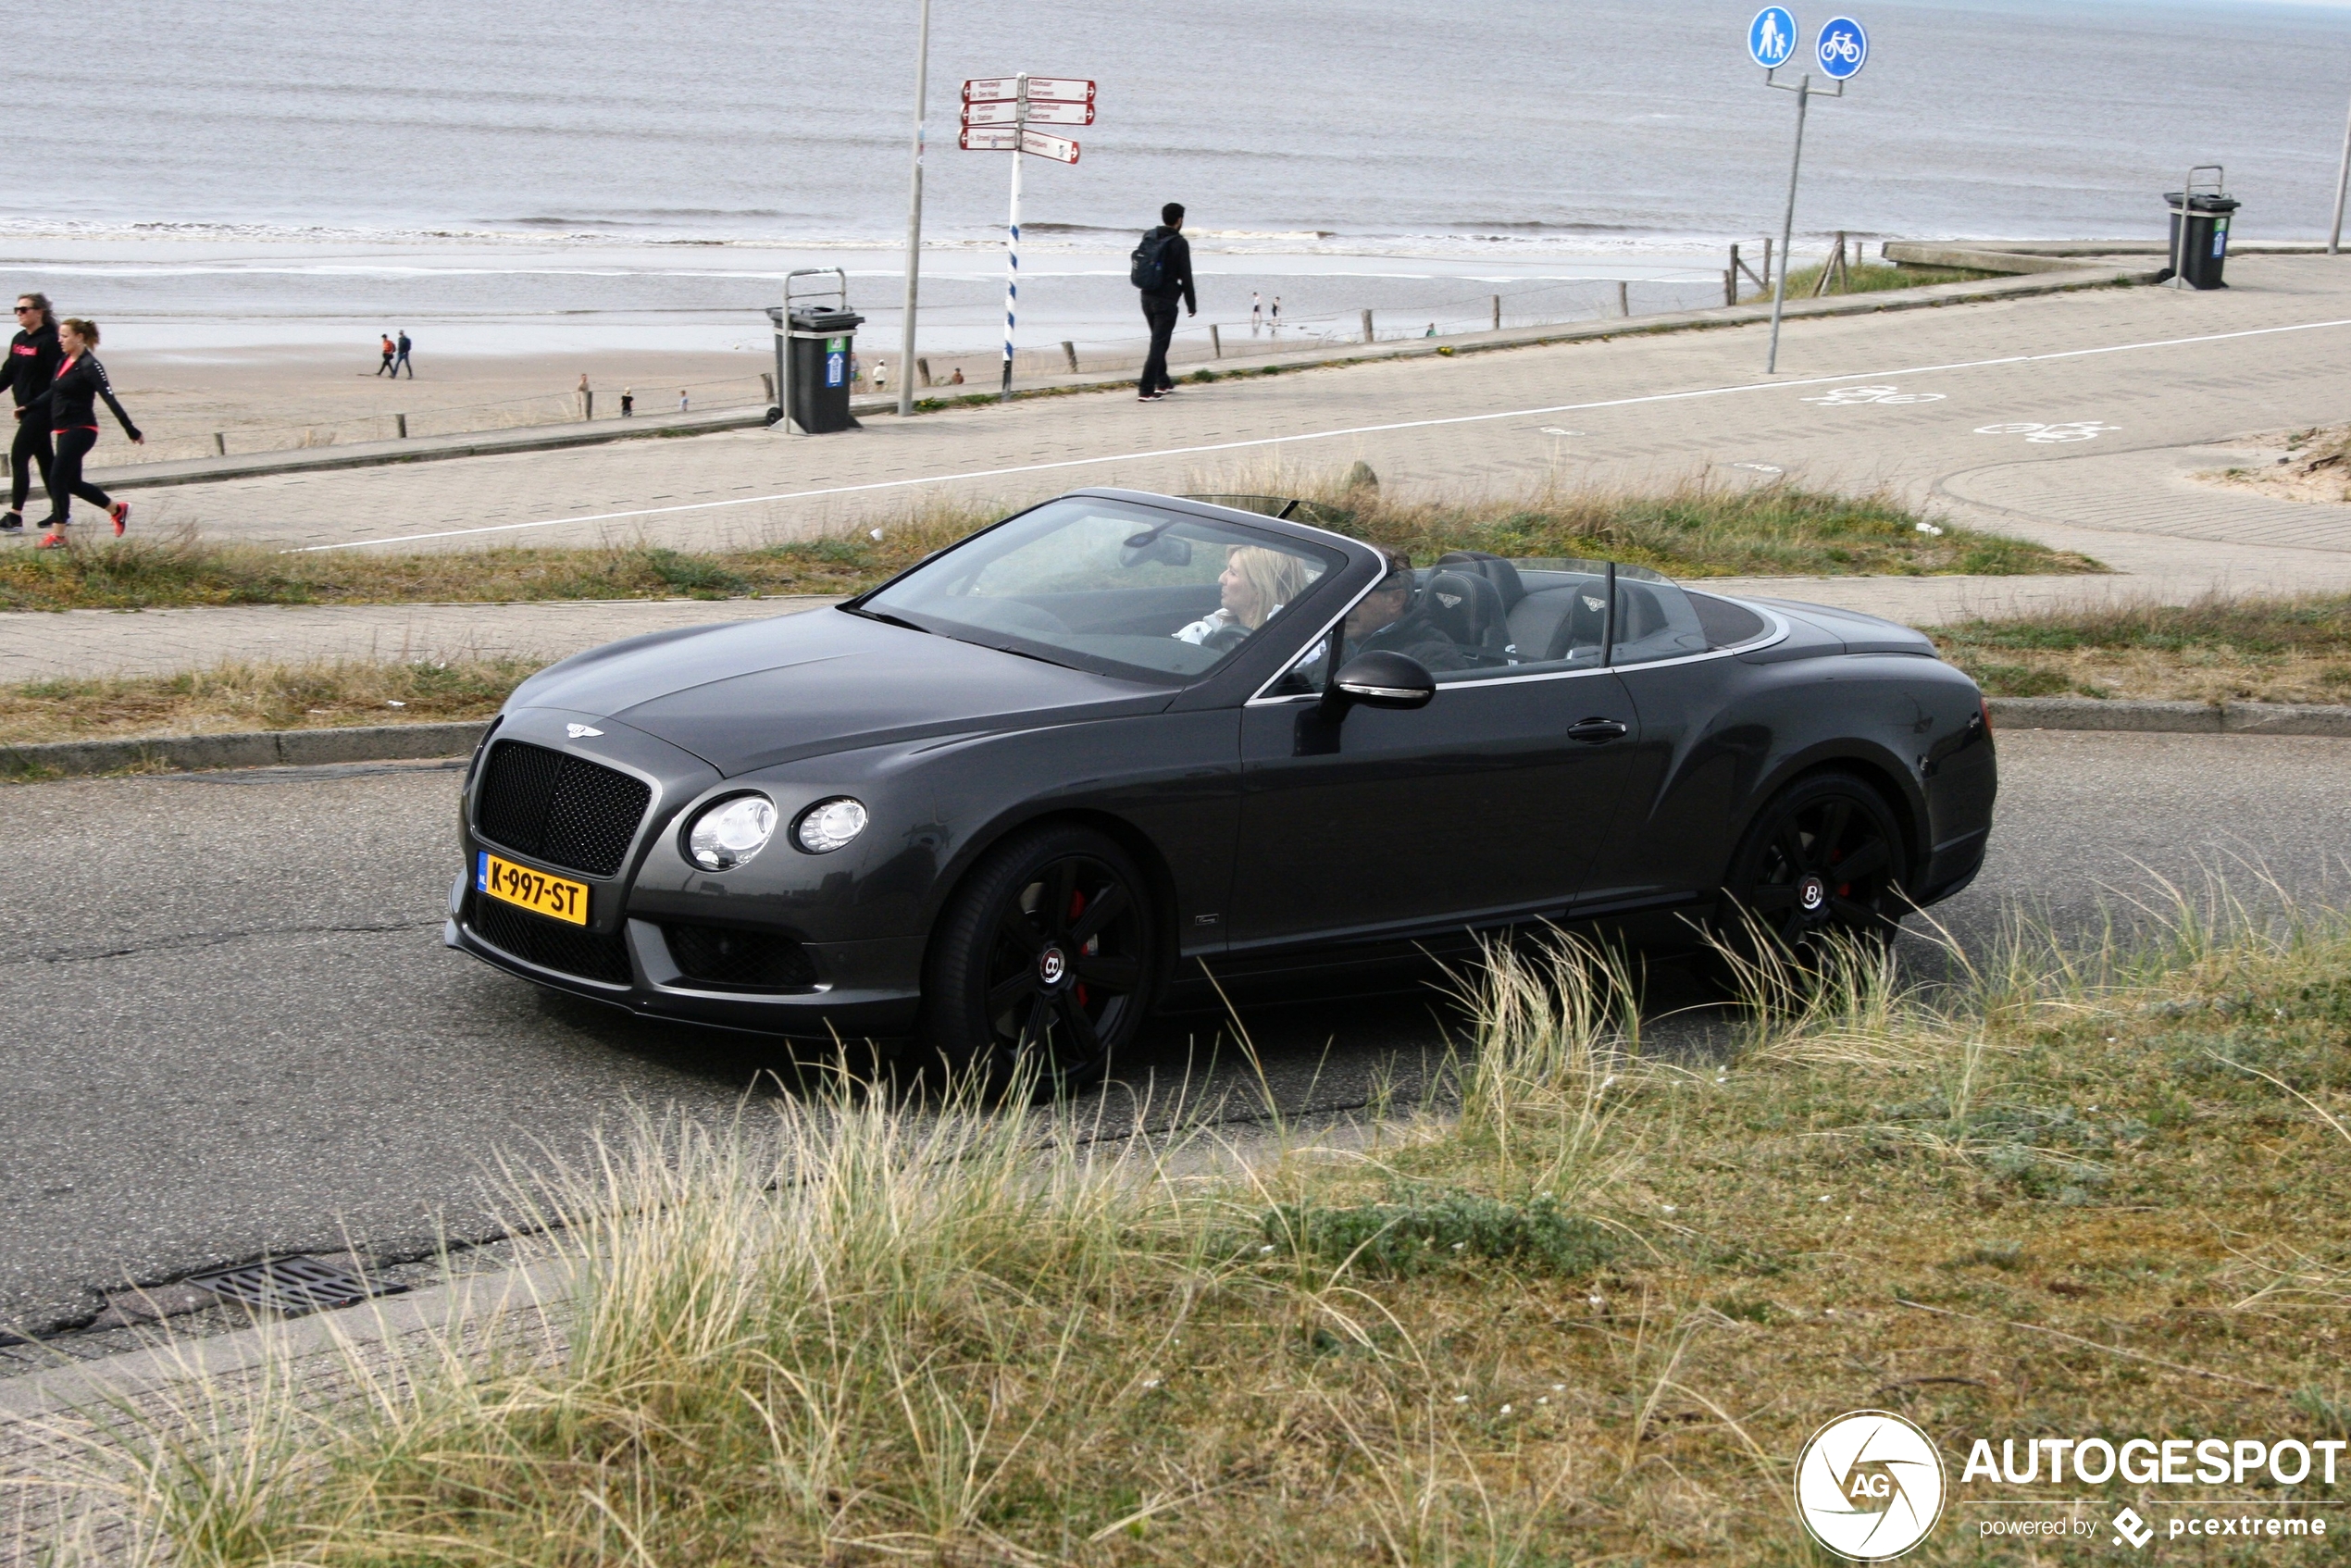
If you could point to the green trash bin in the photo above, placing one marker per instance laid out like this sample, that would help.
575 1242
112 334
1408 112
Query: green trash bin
2205 251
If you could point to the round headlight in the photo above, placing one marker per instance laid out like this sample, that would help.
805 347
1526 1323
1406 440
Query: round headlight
827 824
731 832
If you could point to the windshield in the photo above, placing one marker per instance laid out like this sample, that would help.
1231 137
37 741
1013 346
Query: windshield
1110 587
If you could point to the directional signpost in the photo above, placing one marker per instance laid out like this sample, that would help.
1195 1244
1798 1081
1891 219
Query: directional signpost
1839 52
998 111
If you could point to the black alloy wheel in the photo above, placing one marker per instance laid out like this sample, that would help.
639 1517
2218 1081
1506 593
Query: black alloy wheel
1045 954
1825 859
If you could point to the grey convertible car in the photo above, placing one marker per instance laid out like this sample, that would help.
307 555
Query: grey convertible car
1053 777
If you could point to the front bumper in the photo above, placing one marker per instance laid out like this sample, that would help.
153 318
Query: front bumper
860 990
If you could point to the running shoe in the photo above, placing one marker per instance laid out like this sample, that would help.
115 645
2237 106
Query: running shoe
11 522
1150 397
51 542
120 513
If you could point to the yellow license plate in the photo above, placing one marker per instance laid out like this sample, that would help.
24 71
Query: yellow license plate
557 898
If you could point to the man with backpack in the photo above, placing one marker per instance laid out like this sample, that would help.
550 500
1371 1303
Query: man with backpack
1162 271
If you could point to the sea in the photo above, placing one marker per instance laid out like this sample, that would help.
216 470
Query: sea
559 175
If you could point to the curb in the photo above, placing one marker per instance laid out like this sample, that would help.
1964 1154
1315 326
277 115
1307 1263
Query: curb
2171 718
2063 277
407 742
265 748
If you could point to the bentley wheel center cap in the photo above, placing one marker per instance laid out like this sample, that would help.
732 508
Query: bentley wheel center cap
1813 893
1053 967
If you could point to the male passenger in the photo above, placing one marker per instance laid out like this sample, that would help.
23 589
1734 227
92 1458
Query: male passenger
33 365
1386 621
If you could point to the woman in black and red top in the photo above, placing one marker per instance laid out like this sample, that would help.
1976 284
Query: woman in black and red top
71 408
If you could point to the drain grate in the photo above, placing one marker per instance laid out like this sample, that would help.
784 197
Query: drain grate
290 1287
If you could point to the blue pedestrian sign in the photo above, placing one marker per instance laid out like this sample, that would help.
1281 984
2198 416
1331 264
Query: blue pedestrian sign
1771 37
1844 47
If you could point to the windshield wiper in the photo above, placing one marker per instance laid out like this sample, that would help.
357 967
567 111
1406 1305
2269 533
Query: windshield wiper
886 619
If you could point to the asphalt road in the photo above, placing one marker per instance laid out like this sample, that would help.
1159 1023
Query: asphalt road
230 1028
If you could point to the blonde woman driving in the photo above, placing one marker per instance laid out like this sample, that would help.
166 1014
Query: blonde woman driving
1254 586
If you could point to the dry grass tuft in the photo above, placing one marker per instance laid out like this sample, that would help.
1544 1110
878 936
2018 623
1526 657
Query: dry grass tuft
2271 650
248 697
2076 1188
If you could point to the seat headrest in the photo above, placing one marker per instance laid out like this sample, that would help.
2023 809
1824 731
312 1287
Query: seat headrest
1450 601
1493 568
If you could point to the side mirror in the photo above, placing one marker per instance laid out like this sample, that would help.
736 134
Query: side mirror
1380 680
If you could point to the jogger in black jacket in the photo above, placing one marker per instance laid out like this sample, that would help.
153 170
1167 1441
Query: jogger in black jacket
71 410
33 365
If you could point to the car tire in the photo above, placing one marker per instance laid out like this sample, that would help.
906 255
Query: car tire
1045 958
1824 857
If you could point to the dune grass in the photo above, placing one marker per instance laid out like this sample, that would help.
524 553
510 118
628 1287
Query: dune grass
1587 1311
241 697
2269 650
1869 277
1693 529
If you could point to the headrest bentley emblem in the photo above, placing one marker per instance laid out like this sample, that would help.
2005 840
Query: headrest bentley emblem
577 730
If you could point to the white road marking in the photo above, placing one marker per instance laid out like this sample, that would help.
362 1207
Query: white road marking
1685 395
2044 435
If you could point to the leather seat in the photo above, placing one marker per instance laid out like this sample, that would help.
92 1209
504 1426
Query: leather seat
1469 611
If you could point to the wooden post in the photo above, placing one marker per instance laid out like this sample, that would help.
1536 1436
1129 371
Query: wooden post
587 403
1069 352
1367 326
1623 299
400 421
1731 279
922 368
1216 343
220 443
1498 313
767 385
1767 264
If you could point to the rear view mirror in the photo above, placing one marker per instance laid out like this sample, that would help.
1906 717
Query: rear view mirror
1380 680
1155 544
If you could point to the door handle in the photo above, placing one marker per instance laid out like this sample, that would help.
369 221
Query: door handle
1594 731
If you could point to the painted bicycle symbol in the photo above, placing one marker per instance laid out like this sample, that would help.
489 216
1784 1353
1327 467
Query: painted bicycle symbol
2050 435
1842 46
1848 397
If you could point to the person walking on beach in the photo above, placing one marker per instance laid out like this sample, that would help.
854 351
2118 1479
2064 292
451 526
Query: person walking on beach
1162 269
1256 312
628 402
389 351
1277 313
401 360
33 365
684 402
71 407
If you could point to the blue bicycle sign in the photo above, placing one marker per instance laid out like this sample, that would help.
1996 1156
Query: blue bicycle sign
1844 48
1771 37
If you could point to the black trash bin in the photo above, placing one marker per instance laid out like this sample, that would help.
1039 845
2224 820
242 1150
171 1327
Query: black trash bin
821 342
2207 215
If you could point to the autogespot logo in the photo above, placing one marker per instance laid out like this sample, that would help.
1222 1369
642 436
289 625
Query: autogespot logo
1869 1486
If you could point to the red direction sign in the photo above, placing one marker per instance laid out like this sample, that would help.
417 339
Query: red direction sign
1058 149
1038 114
1042 88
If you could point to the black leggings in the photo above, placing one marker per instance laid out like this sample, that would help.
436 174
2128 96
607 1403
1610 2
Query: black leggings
65 477
28 454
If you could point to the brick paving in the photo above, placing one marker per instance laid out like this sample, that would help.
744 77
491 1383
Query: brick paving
2154 370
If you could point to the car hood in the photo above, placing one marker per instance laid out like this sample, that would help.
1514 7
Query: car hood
751 694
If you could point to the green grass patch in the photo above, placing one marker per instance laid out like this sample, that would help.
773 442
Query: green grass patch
1871 277
1692 530
2278 650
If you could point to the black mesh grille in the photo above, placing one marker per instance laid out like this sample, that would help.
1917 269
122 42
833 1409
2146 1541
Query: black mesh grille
565 810
752 960
548 943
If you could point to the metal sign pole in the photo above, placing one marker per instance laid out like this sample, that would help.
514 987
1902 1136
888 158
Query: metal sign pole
2342 182
1012 233
1787 224
914 222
